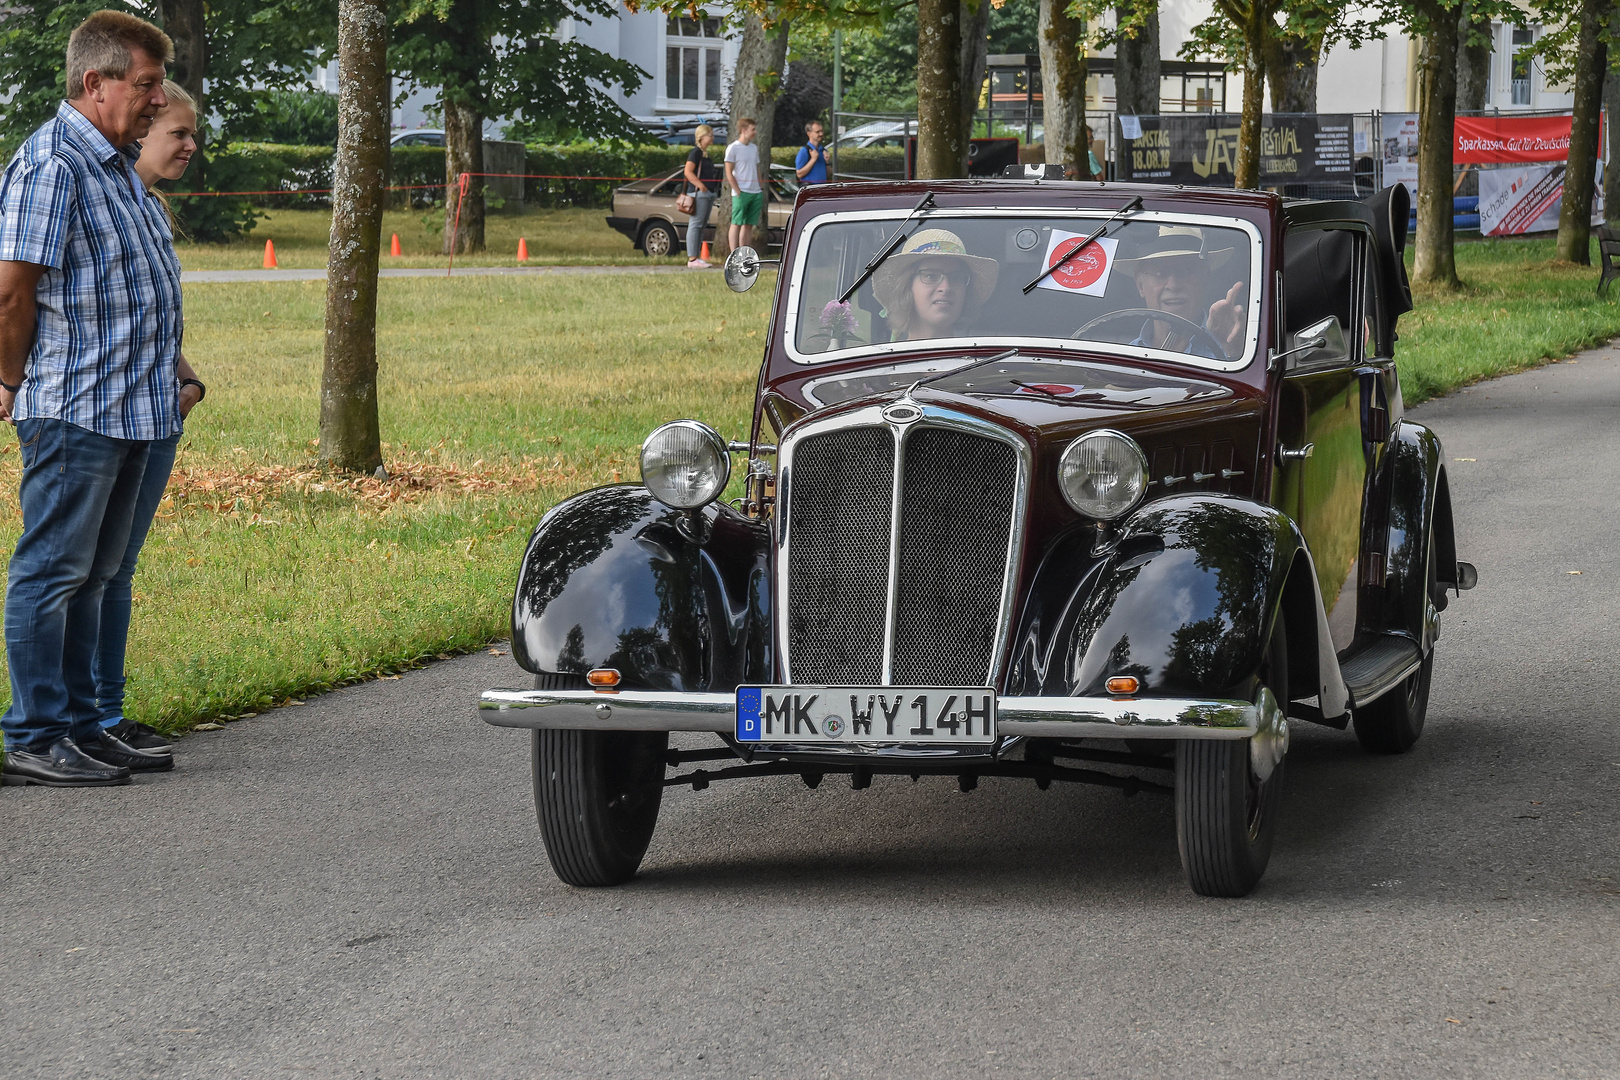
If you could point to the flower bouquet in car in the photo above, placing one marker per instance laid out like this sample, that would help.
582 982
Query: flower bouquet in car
838 326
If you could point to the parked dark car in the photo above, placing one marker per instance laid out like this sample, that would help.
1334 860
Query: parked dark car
1117 519
644 210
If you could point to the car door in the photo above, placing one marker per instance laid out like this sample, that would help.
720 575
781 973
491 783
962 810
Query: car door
1320 473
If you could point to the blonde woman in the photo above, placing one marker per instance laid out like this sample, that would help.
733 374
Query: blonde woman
703 182
165 153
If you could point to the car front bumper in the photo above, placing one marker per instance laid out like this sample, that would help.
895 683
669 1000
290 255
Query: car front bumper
1038 717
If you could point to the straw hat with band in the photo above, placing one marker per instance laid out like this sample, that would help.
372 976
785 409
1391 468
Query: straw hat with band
892 281
1174 242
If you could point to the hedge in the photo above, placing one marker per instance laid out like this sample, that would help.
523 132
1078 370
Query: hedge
272 167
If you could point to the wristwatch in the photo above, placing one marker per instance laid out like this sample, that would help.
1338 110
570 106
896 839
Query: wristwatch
14 389
202 391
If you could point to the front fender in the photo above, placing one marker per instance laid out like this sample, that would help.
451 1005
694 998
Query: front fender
1186 601
612 578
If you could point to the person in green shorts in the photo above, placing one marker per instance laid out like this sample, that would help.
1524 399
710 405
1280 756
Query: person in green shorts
742 177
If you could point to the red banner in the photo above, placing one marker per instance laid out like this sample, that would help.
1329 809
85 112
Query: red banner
1510 140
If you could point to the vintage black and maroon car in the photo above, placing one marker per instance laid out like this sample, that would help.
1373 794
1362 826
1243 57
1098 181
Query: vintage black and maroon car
1052 480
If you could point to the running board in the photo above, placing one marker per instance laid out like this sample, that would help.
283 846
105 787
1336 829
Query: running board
1379 668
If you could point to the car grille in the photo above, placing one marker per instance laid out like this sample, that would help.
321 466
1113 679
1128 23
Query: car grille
958 497
843 491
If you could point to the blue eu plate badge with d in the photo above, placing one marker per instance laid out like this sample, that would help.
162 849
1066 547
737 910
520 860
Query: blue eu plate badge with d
748 710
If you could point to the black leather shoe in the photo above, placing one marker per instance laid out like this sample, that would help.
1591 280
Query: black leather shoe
63 765
142 737
111 750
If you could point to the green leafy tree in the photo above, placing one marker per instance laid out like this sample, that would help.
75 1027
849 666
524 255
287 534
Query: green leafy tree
494 58
242 46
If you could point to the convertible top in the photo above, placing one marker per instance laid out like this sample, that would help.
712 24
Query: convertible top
1317 261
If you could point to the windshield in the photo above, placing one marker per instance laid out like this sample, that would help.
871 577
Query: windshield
1155 286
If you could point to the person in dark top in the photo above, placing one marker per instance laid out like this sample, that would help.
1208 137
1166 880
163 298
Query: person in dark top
811 162
703 183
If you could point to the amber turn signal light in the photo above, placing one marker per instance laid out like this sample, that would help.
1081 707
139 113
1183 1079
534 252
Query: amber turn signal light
606 676
1122 684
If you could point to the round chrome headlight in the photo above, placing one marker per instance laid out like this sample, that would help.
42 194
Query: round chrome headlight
685 464
1103 474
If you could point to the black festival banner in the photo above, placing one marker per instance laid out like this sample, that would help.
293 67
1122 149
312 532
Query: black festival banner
1200 149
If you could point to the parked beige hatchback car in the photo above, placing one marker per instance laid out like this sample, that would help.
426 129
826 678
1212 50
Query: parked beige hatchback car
644 210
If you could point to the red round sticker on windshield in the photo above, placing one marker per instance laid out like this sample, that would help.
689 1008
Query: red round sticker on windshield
1081 271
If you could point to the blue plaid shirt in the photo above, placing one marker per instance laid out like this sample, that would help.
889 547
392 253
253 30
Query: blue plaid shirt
109 316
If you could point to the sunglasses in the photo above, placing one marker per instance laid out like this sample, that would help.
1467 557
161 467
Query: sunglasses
960 278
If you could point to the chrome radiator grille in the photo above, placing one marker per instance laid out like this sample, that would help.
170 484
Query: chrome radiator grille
959 494
843 493
956 506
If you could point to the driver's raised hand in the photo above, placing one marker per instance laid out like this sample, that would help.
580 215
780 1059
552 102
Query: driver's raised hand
1226 321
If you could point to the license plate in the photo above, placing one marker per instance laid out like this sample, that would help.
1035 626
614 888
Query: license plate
867 714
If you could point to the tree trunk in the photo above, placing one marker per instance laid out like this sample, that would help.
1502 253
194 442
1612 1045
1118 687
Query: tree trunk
1611 106
183 22
463 153
1435 258
1575 216
1246 173
1291 67
941 145
1473 61
975 61
1136 66
1063 90
349 431
756 85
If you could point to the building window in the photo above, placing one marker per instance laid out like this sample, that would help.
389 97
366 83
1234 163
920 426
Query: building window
1523 37
692 59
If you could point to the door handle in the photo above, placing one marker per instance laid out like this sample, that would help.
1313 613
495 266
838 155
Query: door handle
1285 454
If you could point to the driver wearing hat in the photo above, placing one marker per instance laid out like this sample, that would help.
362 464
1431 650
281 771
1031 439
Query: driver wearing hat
1175 273
932 285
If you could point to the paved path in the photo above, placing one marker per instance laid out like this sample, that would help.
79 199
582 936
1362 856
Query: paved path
357 887
194 277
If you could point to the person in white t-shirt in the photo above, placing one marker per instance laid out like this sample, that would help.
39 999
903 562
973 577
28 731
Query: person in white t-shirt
742 177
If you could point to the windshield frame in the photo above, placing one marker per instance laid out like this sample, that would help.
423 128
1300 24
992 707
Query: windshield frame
1045 344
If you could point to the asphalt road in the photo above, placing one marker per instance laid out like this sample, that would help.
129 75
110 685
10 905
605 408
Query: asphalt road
357 888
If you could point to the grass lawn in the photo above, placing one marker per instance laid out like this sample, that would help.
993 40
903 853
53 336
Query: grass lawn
566 237
264 580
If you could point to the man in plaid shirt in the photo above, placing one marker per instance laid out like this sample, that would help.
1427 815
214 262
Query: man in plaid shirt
90 326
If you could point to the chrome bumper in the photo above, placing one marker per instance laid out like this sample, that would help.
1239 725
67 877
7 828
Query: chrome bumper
1040 717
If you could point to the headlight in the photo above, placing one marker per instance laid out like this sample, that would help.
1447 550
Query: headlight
1103 474
685 464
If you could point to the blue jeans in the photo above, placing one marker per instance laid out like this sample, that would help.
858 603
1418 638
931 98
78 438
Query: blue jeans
116 597
696 224
78 496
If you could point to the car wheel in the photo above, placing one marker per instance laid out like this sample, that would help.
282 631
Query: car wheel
1226 811
1393 723
659 240
597 795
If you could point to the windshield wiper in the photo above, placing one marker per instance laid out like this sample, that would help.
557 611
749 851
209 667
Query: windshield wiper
888 248
938 375
1134 204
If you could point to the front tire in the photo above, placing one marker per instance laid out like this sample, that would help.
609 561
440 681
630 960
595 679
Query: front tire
597 795
1226 815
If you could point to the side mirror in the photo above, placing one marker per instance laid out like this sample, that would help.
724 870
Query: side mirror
1319 343
742 268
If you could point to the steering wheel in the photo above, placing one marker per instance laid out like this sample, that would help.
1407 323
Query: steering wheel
1161 316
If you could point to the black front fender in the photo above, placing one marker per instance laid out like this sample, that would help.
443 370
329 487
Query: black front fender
1185 603
612 578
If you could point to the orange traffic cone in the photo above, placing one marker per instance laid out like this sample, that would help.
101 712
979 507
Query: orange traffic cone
705 251
393 247
523 250
269 254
